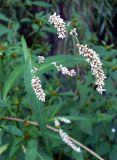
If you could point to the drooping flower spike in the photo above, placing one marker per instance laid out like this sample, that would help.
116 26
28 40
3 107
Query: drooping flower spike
90 55
63 135
96 66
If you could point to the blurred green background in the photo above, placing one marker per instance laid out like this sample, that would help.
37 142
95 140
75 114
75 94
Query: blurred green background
93 116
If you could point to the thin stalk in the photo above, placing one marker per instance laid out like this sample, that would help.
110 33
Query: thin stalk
1 75
20 100
35 38
74 44
77 39
65 43
54 130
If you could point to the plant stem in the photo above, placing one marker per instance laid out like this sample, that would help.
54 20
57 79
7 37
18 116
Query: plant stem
74 44
55 130
77 39
1 76
35 38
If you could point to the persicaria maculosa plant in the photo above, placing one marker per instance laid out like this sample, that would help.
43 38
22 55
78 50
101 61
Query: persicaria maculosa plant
91 57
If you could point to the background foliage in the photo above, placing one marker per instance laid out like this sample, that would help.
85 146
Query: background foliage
94 116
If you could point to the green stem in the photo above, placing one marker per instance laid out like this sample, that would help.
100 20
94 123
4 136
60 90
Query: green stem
1 75
65 43
76 39
74 44
20 100
35 38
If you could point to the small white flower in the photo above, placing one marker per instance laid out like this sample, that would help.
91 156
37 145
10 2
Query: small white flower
41 59
24 149
36 85
113 130
64 70
1 53
34 70
73 32
59 24
63 119
56 122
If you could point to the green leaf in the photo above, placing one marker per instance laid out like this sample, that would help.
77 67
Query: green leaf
37 106
86 126
13 77
55 139
13 130
110 86
15 146
3 103
42 155
41 4
25 48
3 148
31 153
77 156
101 117
103 148
4 18
113 153
3 30
77 118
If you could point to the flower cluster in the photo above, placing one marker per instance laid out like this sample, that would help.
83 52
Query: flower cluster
96 66
64 70
59 24
56 122
34 70
64 135
66 139
63 119
41 59
36 84
73 32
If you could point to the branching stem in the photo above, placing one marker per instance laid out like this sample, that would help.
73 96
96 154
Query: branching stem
54 130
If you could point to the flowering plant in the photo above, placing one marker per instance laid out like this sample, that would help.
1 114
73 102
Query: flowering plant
53 98
91 57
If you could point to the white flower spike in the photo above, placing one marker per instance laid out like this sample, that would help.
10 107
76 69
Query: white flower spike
36 85
66 139
63 119
64 70
96 66
59 24
63 135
